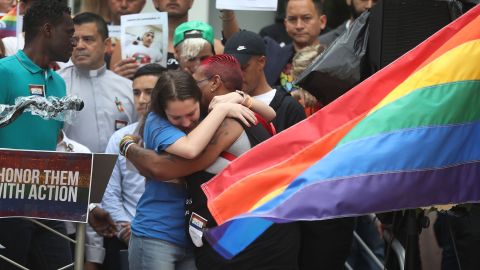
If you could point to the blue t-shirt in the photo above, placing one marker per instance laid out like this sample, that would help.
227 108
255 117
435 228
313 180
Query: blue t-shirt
161 209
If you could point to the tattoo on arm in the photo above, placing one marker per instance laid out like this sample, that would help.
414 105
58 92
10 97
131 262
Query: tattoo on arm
222 130
171 157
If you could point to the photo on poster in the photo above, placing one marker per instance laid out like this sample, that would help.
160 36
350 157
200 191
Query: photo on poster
114 35
144 37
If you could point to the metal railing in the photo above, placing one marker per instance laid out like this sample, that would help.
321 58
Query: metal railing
396 246
79 246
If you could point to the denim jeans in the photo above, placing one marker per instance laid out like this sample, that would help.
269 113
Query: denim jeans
155 254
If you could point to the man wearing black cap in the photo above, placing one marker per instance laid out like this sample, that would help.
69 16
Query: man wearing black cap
249 49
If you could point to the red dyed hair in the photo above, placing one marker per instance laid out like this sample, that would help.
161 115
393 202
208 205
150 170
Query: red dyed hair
225 66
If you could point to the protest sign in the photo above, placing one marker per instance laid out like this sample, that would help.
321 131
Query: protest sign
264 5
145 37
52 185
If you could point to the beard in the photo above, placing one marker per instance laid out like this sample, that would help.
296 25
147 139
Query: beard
353 12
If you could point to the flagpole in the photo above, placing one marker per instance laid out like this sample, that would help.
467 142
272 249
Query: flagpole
18 26
71 4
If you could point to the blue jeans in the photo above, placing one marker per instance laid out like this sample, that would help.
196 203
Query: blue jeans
155 254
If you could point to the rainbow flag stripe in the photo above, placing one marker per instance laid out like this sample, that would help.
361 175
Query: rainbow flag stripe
406 137
8 24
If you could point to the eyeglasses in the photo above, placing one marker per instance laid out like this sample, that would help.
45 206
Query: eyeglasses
202 80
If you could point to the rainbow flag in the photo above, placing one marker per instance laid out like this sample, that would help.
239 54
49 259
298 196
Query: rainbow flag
406 137
8 24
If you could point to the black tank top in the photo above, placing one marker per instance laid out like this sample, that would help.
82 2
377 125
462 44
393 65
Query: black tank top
276 249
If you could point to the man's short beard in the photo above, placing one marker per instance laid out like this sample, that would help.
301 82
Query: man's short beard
177 15
353 12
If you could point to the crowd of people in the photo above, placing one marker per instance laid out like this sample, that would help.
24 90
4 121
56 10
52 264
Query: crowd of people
173 127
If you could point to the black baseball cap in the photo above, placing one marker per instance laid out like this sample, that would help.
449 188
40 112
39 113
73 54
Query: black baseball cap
245 44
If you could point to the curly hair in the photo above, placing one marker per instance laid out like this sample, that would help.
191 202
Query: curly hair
42 12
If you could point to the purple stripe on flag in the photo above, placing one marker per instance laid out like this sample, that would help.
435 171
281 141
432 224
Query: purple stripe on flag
7 33
364 194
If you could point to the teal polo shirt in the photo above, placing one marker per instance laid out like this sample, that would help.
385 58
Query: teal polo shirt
20 77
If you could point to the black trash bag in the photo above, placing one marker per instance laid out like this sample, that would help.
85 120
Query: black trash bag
338 68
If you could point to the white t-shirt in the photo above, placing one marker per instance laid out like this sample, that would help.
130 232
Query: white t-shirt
266 97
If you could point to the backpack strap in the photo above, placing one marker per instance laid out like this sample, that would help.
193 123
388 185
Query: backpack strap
268 126
228 156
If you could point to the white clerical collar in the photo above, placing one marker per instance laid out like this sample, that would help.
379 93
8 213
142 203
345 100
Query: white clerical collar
93 72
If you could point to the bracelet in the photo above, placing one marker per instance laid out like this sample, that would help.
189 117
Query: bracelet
126 149
127 139
243 95
250 101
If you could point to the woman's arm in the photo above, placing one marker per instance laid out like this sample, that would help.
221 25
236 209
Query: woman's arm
191 145
264 110
164 167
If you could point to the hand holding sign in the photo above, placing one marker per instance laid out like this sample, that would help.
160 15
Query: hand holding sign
264 5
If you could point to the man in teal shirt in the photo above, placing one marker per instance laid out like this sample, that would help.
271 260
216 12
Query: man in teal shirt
48 38
27 73
22 77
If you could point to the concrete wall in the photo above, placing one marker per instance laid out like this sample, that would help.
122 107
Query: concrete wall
248 20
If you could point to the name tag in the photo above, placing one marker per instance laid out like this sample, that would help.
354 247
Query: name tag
120 124
195 228
36 89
